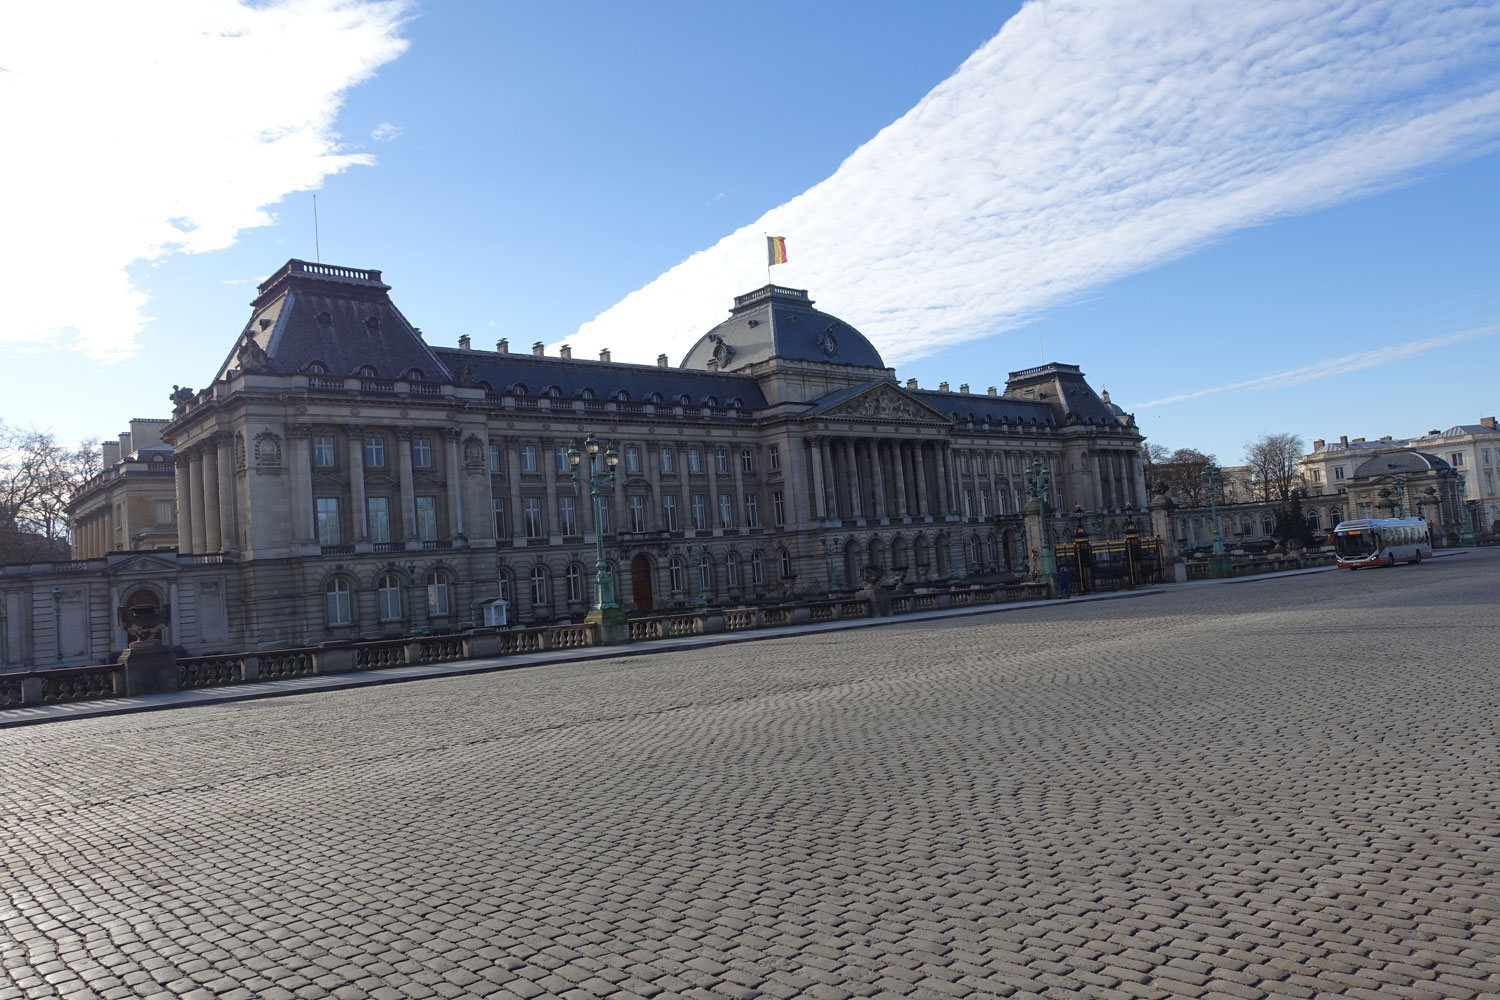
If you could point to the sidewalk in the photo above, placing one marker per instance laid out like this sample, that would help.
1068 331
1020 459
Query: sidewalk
1436 554
254 690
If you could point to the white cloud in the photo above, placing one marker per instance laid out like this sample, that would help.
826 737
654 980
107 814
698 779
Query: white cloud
1087 141
1334 366
156 129
385 132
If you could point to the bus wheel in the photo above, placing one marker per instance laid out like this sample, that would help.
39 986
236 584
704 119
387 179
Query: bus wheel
1417 558
1390 559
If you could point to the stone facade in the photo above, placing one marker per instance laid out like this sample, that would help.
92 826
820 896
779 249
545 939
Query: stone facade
131 504
343 479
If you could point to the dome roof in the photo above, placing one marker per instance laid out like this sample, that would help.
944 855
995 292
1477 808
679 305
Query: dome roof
776 322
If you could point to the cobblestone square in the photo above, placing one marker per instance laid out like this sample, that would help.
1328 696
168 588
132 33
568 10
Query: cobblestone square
1287 788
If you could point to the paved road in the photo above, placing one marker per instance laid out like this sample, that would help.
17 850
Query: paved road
1286 789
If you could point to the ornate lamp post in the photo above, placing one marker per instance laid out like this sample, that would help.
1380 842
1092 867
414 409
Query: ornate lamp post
57 622
411 574
606 613
698 552
1039 487
1465 523
1218 563
830 545
1402 501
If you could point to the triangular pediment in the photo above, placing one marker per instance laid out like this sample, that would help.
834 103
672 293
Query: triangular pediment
884 401
146 562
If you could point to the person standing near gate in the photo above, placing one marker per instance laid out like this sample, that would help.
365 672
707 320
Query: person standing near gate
1062 581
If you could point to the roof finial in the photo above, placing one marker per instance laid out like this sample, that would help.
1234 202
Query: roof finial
1104 392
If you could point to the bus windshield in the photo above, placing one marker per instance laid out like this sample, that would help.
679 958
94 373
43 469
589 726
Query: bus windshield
1354 543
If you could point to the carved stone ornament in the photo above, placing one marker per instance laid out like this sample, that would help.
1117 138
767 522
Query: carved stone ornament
882 402
267 452
239 452
181 395
828 343
722 351
473 452
252 357
464 374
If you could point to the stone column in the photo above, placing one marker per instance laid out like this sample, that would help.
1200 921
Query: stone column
713 485
549 480
851 462
815 459
882 509
655 519
739 490
830 479
213 540
359 524
920 474
195 498
455 483
304 529
684 500
898 460
228 525
517 521
184 504
408 486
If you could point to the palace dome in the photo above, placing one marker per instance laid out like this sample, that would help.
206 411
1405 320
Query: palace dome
776 322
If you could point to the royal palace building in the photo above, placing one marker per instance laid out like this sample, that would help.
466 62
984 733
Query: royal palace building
342 478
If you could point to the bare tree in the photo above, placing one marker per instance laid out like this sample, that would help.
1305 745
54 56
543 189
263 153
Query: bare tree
1178 474
38 478
1272 459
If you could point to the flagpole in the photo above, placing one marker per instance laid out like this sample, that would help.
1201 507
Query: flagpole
768 258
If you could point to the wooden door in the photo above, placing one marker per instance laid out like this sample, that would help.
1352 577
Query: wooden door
640 583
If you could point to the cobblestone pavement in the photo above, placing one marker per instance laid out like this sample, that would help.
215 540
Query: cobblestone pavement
1285 789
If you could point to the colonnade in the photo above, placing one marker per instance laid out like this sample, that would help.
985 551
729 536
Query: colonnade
206 504
854 477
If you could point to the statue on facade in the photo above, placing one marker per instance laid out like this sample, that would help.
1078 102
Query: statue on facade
181 395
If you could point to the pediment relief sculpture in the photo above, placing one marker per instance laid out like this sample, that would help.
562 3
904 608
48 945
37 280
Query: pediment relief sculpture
885 402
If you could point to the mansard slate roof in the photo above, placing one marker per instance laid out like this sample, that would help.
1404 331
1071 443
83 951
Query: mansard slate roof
1401 461
999 409
339 317
1063 387
528 375
780 322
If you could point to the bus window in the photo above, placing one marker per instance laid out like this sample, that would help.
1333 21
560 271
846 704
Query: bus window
1354 543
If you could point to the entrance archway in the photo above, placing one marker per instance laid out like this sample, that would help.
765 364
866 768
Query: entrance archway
640 584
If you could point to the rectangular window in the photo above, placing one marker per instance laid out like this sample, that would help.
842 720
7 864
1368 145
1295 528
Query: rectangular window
700 514
632 458
721 460
637 507
984 503
1317 475
726 511
747 460
528 458
163 510
1338 473
669 512
421 452
560 457
389 595
427 519
778 508
496 465
773 456
752 511
374 452
757 570
328 521
567 517
601 513
532 509
1456 459
502 523
963 463
323 451
695 461
968 503
666 460
1485 455
378 512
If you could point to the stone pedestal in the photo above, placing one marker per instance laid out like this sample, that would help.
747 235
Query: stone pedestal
338 657
150 667
609 625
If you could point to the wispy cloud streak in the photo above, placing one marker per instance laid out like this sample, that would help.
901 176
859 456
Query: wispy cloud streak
135 131
1334 366
1087 141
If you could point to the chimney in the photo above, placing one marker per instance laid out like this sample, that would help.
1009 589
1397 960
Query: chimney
125 445
661 361
1386 438
964 388
604 355
565 352
992 391
145 433
111 451
537 350
911 383
502 346
942 387
1487 422
1359 440
463 343
1344 440
1318 444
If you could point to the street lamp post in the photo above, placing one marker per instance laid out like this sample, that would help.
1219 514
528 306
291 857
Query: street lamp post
830 545
698 552
1400 495
606 613
57 623
1218 563
1039 487
1465 523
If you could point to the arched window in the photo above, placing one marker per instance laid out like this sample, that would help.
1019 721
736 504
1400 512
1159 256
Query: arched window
388 597
539 596
685 399
586 394
711 401
437 594
554 391
413 375
1334 517
1312 519
367 371
732 569
786 563
676 576
757 569
575 583
519 389
1267 525
315 368
655 397
736 403
336 602
622 396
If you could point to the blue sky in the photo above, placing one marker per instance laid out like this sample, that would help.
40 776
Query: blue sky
1241 221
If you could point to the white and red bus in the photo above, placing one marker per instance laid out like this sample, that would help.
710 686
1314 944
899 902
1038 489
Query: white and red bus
1381 541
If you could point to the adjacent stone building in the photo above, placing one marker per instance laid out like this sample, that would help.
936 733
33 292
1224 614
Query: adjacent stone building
342 478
